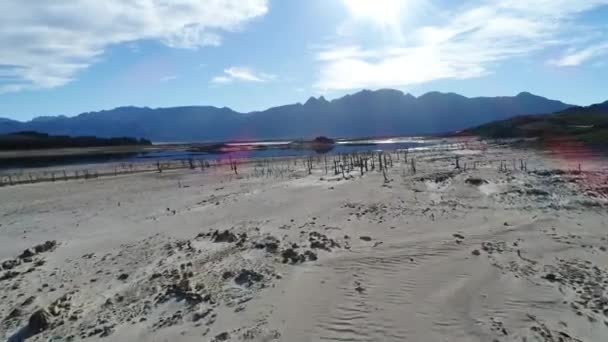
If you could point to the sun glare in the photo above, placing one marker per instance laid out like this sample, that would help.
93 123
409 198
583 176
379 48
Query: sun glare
385 12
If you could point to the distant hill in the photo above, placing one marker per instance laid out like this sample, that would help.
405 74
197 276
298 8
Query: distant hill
383 112
35 140
587 124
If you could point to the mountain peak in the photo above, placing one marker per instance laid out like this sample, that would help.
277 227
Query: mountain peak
526 94
437 96
314 100
386 91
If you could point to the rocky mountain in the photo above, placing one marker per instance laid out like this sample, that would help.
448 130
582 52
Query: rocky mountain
383 112
587 124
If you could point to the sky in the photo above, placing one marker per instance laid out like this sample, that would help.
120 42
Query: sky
65 57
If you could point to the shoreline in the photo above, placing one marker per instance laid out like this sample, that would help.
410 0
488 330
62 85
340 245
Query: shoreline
40 159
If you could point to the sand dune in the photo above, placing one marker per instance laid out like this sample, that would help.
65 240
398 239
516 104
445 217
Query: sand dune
486 253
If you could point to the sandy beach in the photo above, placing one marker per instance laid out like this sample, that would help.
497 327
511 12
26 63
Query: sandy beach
511 246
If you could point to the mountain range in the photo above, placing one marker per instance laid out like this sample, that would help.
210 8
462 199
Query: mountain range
587 124
384 112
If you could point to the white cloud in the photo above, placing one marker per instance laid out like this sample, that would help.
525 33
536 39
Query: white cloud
385 13
468 41
221 80
244 74
574 57
45 43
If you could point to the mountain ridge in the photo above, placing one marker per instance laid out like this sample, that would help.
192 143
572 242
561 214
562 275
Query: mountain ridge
365 113
584 123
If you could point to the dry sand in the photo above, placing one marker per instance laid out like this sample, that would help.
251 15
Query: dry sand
440 255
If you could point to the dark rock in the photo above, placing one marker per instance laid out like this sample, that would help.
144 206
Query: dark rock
537 192
10 264
272 247
248 278
270 243
123 276
225 236
9 275
28 301
28 253
319 245
311 255
15 313
551 277
438 178
242 238
40 321
546 173
475 252
182 290
290 255
476 181
106 331
492 247
222 337
458 236
45 247
365 238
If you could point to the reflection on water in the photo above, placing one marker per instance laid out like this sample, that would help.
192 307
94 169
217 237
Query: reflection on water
404 140
284 150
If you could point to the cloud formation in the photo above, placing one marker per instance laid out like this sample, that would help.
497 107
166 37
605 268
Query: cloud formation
244 74
45 43
576 57
467 42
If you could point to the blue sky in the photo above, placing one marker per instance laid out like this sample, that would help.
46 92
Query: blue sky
66 57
